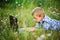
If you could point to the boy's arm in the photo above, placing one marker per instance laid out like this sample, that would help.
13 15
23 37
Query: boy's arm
55 25
46 26
30 28
34 28
37 25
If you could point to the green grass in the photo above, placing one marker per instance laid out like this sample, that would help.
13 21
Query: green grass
25 19
24 15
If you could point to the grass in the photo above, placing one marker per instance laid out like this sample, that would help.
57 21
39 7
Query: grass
25 20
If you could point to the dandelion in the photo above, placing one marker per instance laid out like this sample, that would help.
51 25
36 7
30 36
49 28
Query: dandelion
38 38
56 9
16 2
6 0
40 3
16 15
53 12
1 20
42 37
5 19
49 34
57 13
50 7
22 6
15 33
4 23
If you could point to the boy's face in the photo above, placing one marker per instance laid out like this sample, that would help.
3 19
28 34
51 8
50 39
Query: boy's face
37 17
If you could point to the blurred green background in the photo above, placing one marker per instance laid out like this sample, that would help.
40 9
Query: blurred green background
22 10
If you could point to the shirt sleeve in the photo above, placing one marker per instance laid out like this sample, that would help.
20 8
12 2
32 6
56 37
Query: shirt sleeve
55 25
46 25
37 25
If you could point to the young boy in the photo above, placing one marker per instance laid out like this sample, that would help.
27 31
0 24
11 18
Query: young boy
47 23
41 18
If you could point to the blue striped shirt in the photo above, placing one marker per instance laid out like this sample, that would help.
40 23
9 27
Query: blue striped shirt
49 23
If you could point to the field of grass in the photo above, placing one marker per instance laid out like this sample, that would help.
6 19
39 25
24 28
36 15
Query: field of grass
23 13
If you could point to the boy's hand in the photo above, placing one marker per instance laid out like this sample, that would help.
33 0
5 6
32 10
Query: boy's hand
31 29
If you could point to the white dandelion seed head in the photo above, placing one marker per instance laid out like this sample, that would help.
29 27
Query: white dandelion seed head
1 20
6 0
49 34
42 36
15 33
53 12
5 19
56 9
57 13
50 7
16 15
4 22
16 2
38 38
22 6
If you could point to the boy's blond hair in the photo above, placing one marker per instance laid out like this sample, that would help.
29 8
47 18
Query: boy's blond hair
36 9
